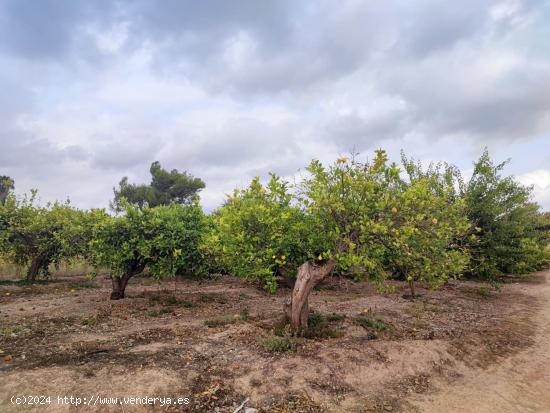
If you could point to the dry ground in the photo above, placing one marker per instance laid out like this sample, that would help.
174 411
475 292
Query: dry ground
463 348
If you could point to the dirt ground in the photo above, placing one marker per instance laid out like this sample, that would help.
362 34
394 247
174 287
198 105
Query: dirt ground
463 348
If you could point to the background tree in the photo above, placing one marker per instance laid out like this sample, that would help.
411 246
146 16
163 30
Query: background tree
166 187
164 240
6 186
428 226
38 237
506 223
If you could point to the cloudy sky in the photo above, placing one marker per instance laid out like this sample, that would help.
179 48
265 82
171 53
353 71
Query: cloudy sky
95 90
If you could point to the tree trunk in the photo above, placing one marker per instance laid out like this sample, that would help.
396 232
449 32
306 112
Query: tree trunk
411 286
119 286
308 276
36 264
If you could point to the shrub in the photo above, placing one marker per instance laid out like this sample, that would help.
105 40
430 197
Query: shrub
279 344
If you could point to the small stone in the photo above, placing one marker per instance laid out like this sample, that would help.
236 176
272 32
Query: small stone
388 408
250 410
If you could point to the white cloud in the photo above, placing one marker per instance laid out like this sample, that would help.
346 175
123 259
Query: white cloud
540 180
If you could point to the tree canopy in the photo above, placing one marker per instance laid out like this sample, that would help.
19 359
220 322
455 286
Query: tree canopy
165 240
39 236
166 187
6 186
506 222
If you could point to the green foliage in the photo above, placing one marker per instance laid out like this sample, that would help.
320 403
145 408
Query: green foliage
165 240
278 344
37 237
258 234
6 186
366 217
427 226
165 188
505 220
376 324
348 204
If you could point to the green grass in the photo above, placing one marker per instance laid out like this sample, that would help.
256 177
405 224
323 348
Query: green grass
278 344
372 323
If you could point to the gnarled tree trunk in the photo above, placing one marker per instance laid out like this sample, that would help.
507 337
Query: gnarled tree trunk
308 276
120 283
36 264
119 286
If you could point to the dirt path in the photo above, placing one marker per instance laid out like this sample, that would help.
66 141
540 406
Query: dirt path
519 384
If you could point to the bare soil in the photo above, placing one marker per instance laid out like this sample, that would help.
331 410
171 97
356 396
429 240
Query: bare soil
463 348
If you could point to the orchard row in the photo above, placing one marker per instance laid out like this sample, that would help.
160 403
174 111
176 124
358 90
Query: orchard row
372 219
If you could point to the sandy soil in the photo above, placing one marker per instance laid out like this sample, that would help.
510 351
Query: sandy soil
517 384
463 348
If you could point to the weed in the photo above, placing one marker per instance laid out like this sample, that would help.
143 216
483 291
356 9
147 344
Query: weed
279 344
319 326
90 321
12 331
372 323
160 312
481 291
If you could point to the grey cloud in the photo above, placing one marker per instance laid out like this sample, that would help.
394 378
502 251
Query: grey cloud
358 133
46 29
126 153
22 150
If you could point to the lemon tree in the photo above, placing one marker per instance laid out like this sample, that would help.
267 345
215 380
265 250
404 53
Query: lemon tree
428 226
259 234
165 240
38 237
